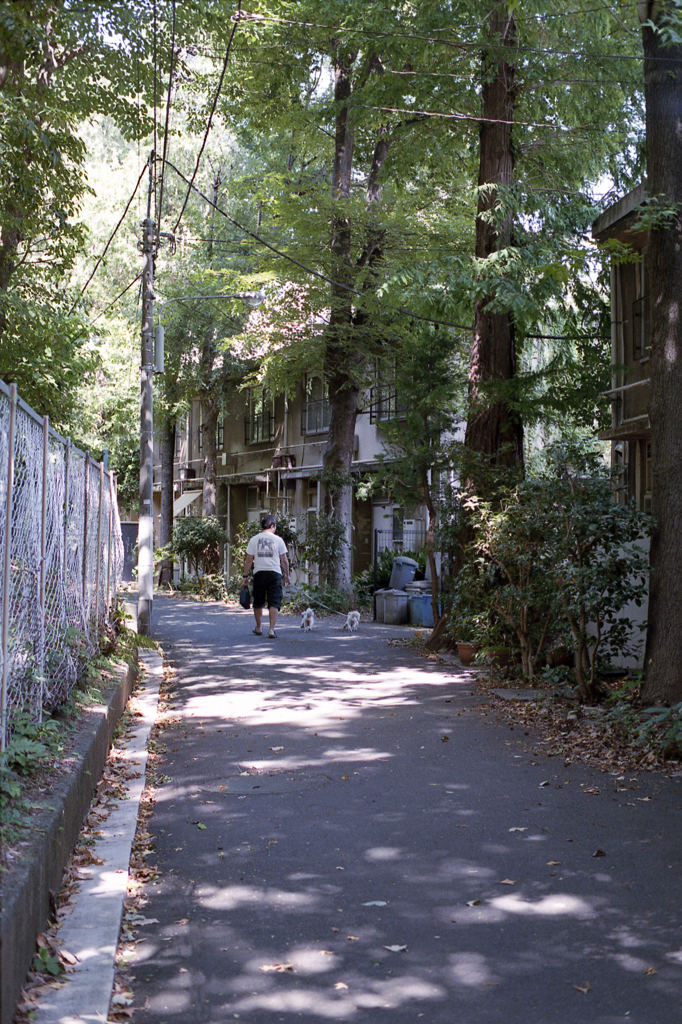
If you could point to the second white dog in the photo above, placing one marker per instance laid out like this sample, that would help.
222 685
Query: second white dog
352 621
307 619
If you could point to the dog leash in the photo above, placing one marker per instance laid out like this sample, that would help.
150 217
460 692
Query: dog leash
295 590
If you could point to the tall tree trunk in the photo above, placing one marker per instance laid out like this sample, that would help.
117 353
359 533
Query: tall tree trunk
167 446
343 389
210 411
493 430
663 93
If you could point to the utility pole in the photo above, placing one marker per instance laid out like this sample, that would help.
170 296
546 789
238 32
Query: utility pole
145 537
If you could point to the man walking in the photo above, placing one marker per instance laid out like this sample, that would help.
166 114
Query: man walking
268 554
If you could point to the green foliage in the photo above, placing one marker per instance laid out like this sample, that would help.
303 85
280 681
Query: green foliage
23 755
660 729
323 542
196 538
556 560
46 963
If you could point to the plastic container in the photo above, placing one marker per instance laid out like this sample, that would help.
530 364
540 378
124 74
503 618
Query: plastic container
403 572
415 609
427 610
395 607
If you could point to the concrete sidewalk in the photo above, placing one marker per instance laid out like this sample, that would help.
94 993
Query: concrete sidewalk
347 836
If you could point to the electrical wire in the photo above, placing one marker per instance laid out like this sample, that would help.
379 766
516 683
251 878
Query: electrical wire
111 237
166 128
466 47
114 301
209 125
309 270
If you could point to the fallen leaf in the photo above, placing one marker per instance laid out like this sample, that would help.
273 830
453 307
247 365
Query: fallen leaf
599 853
507 881
396 949
199 825
553 863
352 938
650 970
473 903
444 739
278 968
545 783
67 957
345 776
276 748
340 984
375 903
593 790
643 799
584 988
518 829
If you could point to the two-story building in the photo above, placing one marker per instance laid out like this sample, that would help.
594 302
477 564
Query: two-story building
270 449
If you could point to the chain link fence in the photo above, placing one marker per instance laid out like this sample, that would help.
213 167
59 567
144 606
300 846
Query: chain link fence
61 557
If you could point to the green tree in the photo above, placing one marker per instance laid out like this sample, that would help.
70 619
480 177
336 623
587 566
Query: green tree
663 89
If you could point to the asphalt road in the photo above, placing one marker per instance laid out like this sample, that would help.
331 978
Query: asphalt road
347 835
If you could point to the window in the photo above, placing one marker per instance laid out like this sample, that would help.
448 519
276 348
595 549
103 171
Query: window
383 399
260 418
641 327
315 411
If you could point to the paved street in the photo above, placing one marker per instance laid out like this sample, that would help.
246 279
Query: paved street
347 836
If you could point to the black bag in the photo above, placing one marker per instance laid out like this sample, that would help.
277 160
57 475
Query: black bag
245 597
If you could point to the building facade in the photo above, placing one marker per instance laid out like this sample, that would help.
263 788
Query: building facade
630 430
270 449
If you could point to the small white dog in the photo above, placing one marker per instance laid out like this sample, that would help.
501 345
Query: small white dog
307 619
352 622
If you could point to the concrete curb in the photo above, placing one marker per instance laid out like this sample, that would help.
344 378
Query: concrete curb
92 928
25 907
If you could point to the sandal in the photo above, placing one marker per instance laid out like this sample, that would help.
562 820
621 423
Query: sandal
272 636
258 632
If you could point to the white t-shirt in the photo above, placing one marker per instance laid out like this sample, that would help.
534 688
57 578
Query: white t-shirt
266 547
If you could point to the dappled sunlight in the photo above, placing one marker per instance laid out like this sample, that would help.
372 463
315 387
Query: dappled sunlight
350 842
342 1002
383 853
305 960
233 897
471 969
557 905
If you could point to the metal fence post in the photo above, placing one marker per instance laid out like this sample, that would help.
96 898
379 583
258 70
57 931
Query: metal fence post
67 469
7 566
99 546
86 511
43 565
111 525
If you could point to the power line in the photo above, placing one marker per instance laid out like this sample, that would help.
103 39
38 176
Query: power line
466 47
111 236
309 270
209 125
165 130
114 301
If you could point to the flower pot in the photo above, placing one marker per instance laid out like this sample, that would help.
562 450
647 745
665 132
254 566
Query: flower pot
467 652
501 657
558 657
